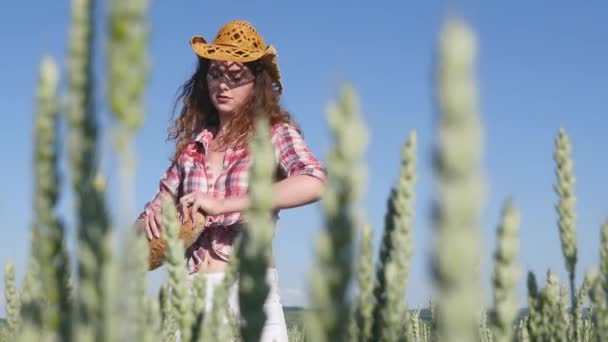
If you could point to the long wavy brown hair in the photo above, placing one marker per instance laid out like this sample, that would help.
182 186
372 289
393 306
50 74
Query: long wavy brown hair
198 112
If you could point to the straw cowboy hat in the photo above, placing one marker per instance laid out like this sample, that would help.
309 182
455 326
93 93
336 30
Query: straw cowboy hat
239 41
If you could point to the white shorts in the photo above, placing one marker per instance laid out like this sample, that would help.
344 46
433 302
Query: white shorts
275 328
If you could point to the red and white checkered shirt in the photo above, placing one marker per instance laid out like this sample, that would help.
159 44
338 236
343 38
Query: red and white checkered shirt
190 173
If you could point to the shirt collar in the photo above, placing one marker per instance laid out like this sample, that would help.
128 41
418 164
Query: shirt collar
205 136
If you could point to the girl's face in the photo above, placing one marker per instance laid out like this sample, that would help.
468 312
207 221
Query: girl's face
230 84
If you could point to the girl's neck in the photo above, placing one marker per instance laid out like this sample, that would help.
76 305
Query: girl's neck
223 122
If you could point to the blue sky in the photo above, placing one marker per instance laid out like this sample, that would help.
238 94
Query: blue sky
541 66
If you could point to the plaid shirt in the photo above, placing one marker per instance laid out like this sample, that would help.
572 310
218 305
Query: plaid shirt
190 173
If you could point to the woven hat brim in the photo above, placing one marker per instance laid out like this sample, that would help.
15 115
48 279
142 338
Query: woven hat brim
236 54
224 52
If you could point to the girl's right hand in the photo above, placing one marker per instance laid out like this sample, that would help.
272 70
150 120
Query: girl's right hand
153 225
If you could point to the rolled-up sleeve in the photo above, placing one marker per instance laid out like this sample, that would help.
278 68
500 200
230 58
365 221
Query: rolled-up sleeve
293 155
168 186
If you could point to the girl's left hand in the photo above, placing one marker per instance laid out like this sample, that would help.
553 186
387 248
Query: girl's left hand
200 200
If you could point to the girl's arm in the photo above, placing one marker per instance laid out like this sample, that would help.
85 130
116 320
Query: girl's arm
305 175
290 192
168 186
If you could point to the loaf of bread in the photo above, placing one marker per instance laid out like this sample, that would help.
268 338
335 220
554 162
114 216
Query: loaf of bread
188 234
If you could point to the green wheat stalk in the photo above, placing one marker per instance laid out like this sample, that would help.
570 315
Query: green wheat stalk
459 186
92 218
433 322
13 304
332 273
549 301
177 270
551 313
116 316
599 288
589 327
44 307
31 301
534 324
363 309
217 325
506 273
48 247
253 251
426 332
414 322
151 325
604 255
578 322
563 313
522 331
127 62
397 248
198 306
566 206
32 306
296 334
168 320
602 278
485 333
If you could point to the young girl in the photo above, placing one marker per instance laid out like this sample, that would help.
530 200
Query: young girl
237 76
